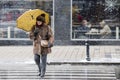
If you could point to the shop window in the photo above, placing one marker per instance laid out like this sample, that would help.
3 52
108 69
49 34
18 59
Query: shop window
95 19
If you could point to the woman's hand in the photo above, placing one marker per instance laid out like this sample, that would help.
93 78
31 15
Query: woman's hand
50 44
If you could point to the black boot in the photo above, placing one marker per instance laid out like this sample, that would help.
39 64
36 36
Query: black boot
42 75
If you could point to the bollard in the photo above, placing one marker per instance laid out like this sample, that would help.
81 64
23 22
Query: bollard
87 50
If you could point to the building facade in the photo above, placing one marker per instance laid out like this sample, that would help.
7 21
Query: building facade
64 29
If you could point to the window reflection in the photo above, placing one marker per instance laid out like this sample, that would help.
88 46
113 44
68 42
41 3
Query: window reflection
95 19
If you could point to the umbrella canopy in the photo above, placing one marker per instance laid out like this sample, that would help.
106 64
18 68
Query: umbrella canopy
28 19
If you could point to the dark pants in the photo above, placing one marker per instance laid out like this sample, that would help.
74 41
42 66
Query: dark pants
41 62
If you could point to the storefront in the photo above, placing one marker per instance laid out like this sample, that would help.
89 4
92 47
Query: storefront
95 19
66 29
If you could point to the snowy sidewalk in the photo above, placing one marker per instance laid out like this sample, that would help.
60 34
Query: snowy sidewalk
62 54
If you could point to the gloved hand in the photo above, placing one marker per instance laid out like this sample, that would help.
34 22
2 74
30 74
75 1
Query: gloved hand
36 31
50 44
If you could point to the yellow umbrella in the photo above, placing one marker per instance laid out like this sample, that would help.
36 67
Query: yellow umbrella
28 19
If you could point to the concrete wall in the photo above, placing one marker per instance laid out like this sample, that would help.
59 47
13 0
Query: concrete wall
62 22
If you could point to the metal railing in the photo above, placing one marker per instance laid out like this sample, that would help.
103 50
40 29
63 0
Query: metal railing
12 32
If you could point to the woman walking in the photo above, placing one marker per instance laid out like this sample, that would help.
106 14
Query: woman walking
43 39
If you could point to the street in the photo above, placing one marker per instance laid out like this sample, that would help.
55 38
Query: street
64 63
58 72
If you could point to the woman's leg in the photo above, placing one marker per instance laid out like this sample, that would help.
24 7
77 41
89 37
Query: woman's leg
37 61
43 64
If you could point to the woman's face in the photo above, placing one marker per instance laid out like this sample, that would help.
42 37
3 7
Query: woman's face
39 22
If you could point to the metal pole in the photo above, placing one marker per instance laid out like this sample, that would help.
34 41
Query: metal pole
87 50
117 32
9 33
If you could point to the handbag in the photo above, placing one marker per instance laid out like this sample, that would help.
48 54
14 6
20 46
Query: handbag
44 43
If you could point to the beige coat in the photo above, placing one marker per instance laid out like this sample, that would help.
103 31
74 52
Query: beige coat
45 33
105 32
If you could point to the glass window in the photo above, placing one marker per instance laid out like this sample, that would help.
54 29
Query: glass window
10 10
95 19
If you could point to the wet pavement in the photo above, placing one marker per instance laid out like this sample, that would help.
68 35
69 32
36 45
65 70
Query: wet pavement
58 72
